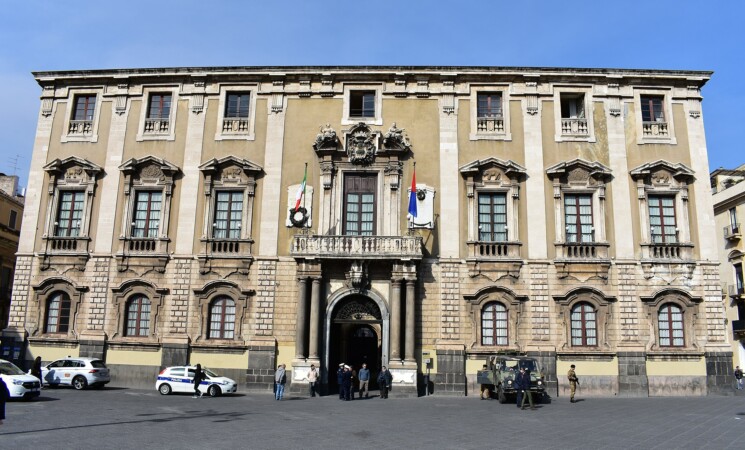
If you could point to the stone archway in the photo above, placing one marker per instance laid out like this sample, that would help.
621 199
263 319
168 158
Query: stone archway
356 331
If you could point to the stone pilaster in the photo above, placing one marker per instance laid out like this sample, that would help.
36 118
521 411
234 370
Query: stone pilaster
535 192
180 294
395 321
450 300
540 320
98 273
265 295
449 183
271 199
628 304
315 318
410 321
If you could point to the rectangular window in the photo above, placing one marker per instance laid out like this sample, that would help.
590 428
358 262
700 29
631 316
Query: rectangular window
733 218
572 106
359 205
489 105
147 214
493 217
362 104
662 219
228 215
652 110
159 106
5 282
85 106
13 219
578 218
69 214
236 105
739 280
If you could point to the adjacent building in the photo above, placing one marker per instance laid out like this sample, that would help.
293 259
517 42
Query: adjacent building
11 211
423 218
728 192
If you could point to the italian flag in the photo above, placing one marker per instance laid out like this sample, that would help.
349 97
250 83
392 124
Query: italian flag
301 189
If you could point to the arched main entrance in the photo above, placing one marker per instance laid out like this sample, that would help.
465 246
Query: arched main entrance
357 333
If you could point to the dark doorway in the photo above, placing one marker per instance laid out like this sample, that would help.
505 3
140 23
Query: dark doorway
356 332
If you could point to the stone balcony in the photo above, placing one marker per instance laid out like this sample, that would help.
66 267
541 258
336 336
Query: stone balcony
582 250
80 128
225 255
655 129
356 247
667 252
65 251
144 253
490 125
733 232
582 260
574 127
487 250
235 125
157 126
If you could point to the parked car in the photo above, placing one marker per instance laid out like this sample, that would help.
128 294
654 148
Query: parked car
19 383
76 372
181 379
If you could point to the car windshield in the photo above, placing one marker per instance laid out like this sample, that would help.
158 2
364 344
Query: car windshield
516 364
98 364
210 373
8 368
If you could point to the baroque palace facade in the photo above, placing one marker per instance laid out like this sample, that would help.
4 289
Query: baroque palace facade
560 213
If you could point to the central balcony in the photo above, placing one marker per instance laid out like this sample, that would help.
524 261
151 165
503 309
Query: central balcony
574 127
357 247
491 124
655 129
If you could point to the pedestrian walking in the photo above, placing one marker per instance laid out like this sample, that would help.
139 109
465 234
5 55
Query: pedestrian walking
340 380
313 380
36 370
738 377
3 394
280 378
522 384
364 377
384 382
485 387
573 382
198 377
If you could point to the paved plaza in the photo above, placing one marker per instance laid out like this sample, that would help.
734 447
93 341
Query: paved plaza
127 418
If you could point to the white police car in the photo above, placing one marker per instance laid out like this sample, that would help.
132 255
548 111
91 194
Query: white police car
20 384
181 379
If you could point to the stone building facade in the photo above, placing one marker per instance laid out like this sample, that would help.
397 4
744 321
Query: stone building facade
11 212
728 194
244 217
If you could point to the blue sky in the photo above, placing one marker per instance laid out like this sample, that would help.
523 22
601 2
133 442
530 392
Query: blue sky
40 35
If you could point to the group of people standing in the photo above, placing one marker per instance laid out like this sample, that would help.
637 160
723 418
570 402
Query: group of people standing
347 377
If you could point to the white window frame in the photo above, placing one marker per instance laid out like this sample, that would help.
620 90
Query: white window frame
668 108
586 92
145 102
504 90
225 89
378 119
72 95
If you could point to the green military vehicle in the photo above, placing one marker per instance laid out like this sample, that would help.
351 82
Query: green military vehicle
501 372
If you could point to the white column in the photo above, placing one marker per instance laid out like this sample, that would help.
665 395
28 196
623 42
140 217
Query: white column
109 185
535 185
623 238
187 213
35 185
271 199
449 183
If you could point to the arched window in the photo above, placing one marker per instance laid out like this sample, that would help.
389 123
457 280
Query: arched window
494 324
584 325
222 318
670 321
58 313
138 316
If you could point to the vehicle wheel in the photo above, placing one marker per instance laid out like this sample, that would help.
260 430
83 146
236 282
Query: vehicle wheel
214 391
164 389
79 383
500 396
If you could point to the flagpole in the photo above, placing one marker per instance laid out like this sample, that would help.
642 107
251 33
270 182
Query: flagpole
413 186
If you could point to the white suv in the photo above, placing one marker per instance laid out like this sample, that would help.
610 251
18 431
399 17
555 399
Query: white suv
76 372
181 379
20 384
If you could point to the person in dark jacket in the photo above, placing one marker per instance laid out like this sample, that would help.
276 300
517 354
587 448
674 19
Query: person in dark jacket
3 394
522 384
198 377
280 379
384 382
339 380
346 381
36 369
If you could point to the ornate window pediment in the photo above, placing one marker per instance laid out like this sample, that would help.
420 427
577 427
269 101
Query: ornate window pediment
579 214
493 191
665 231
221 290
687 304
125 292
45 291
575 302
148 190
71 185
512 305
229 187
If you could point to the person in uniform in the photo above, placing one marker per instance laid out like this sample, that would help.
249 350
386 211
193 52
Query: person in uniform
485 394
573 382
522 384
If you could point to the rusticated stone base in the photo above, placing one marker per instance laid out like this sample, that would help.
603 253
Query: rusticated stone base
547 362
720 376
262 365
451 373
632 375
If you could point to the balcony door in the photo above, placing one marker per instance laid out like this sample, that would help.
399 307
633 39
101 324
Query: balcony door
360 204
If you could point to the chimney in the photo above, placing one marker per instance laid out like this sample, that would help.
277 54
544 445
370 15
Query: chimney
9 184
